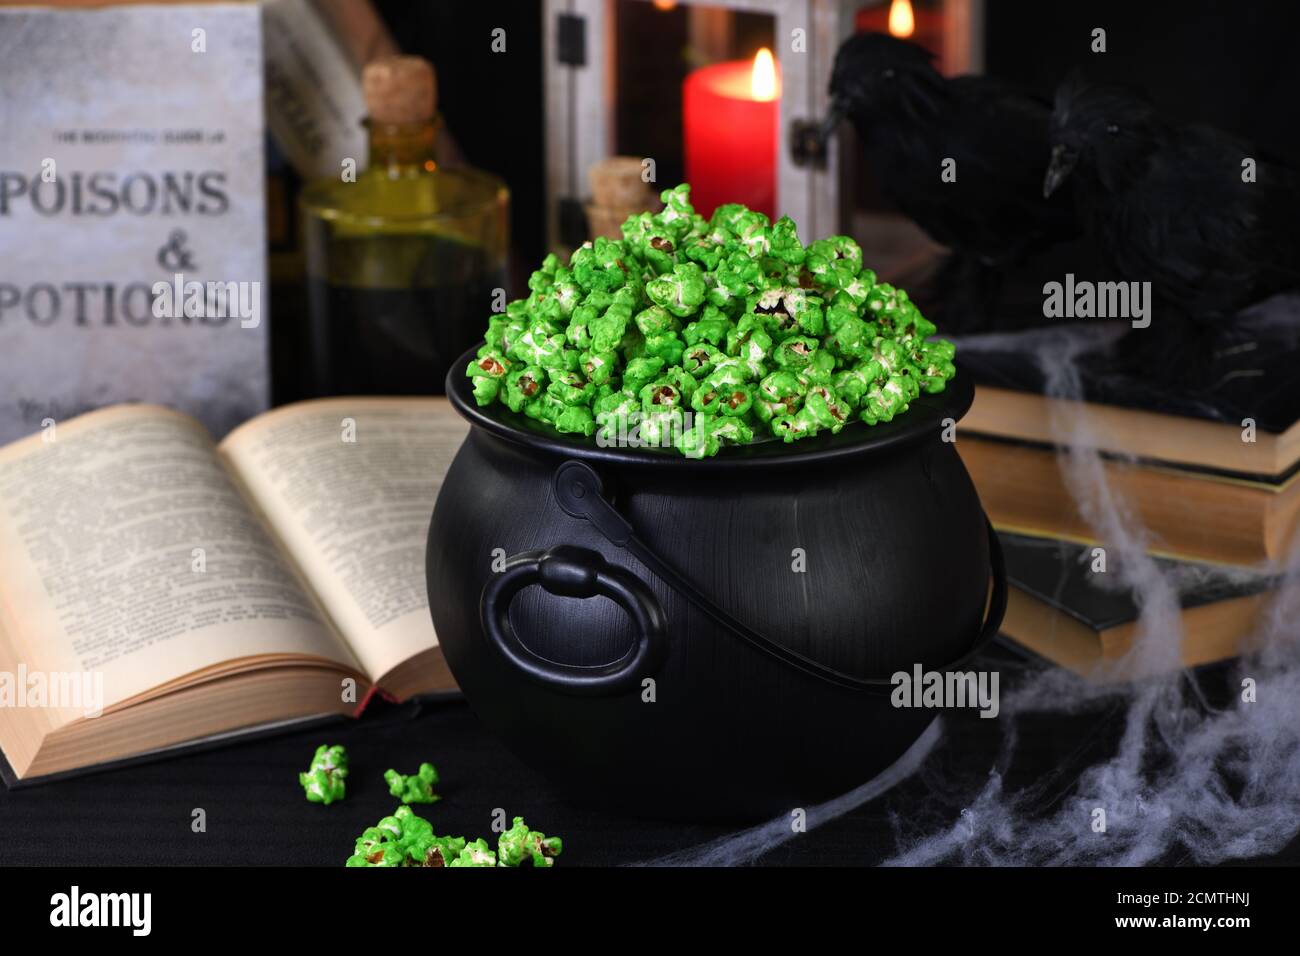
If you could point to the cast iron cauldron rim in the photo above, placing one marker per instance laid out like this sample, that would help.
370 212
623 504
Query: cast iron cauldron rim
924 418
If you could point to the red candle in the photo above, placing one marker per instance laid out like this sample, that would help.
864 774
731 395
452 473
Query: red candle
729 115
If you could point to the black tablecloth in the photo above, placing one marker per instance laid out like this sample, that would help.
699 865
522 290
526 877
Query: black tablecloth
256 813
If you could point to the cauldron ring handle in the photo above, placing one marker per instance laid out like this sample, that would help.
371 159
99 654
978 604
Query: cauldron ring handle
568 571
581 494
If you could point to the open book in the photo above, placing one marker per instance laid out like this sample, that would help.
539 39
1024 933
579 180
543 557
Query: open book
157 588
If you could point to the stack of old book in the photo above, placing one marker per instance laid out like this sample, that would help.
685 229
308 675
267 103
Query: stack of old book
1206 472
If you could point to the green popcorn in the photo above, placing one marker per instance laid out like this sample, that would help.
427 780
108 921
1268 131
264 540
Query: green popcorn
597 265
656 321
738 274
417 788
488 371
796 353
667 347
882 306
699 360
570 387
578 334
566 293
852 339
422 846
779 394
598 367
807 311
731 430
658 251
485 390
544 278
494 336
726 216
889 355
660 394
698 309
769 311
821 370
711 328
611 402
851 384
933 361
707 253
753 232
405 839
575 420
836 250
677 209
698 441
324 780
681 292
883 402
785 244
838 313
790 428
477 853
545 408
540 346
661 426
733 402
824 407
520 845
615 414
641 371
858 288
524 387
379 847
607 331
909 325
751 348
727 371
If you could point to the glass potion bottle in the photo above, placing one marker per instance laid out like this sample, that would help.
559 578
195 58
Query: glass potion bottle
403 258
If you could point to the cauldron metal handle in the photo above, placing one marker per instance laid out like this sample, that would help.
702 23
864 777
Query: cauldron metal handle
581 494
568 571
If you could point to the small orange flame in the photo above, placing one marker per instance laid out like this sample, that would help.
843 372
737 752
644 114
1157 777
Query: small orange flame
901 20
664 5
762 81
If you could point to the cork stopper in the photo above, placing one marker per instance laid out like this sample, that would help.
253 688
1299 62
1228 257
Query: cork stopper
616 182
399 89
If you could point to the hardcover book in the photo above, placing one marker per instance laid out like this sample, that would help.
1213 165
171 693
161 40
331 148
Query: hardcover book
132 231
1059 608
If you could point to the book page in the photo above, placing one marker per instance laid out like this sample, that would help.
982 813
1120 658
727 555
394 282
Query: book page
127 550
348 486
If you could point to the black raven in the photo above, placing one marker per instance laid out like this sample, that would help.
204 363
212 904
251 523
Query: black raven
1171 204
910 119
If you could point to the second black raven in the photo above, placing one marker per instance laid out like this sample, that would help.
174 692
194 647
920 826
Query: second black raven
910 119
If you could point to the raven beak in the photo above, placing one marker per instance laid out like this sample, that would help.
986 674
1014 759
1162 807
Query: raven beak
1058 170
832 120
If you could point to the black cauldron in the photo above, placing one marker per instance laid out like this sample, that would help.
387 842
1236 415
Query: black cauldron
712 639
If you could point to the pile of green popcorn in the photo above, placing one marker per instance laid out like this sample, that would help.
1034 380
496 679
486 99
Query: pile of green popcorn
698 333
407 839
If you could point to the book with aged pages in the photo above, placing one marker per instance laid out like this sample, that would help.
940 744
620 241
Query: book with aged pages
1059 609
158 589
1211 469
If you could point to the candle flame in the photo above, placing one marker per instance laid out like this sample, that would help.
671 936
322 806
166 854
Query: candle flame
901 20
762 81
664 5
